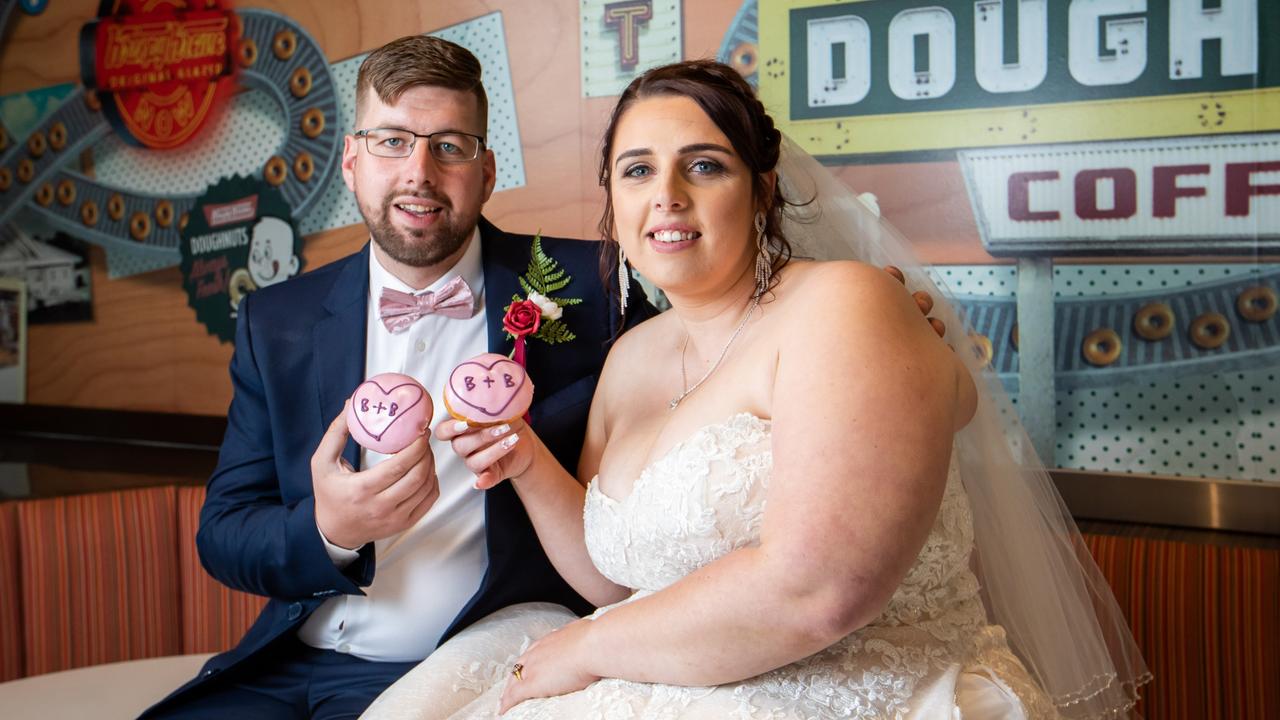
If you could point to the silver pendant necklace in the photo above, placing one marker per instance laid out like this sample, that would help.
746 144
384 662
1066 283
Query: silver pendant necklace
684 378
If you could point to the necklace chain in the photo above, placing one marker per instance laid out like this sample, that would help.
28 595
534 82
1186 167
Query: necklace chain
684 378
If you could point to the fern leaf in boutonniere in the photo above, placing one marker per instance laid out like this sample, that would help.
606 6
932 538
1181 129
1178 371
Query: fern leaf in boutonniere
541 282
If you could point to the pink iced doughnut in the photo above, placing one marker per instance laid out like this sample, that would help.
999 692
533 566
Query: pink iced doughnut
488 389
388 412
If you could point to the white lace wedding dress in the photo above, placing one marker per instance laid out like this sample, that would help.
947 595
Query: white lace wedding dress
931 654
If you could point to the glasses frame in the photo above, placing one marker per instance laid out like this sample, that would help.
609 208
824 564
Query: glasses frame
480 148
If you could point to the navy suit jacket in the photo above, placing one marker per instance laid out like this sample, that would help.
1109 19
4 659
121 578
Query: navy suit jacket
300 352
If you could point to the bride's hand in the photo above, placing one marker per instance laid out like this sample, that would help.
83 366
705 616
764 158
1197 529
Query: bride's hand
550 667
492 453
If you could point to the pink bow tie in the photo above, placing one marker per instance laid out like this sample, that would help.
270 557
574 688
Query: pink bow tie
398 310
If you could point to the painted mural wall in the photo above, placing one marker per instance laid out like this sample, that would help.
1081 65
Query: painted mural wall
1126 149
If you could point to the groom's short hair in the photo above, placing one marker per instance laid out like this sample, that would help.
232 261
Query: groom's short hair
420 60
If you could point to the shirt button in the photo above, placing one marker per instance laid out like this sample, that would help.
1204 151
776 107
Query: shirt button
421 346
344 648
295 611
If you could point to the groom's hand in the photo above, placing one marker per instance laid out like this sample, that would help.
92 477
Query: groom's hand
354 508
924 301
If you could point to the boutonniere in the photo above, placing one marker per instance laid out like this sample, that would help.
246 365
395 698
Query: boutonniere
538 314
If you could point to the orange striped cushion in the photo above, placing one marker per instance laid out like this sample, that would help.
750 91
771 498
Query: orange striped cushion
1206 619
10 600
99 577
214 617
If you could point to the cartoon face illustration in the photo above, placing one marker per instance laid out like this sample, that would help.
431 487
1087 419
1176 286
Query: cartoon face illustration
271 257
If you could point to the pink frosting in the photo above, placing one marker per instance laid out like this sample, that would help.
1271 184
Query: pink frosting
488 388
388 412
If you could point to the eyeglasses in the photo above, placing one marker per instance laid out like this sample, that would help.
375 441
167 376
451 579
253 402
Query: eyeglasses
448 146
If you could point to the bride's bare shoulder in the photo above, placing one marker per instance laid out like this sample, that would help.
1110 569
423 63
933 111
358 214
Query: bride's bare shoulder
630 351
630 365
842 288
848 304
642 335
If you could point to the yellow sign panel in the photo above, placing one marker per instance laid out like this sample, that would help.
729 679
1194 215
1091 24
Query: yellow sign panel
849 79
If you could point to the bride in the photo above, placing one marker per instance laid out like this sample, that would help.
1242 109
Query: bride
795 501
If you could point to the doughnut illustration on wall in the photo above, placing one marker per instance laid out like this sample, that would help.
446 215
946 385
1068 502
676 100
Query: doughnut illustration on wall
1103 341
273 55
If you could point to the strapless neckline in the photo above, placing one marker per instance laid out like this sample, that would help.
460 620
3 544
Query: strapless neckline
593 487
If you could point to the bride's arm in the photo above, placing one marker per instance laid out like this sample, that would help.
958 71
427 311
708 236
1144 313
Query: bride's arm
865 403
551 496
554 500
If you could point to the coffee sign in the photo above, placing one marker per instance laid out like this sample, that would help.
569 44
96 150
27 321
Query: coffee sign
1201 196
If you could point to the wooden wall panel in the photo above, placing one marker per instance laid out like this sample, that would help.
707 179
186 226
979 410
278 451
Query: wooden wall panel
146 351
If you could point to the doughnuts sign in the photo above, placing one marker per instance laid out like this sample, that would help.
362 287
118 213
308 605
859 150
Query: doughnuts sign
238 238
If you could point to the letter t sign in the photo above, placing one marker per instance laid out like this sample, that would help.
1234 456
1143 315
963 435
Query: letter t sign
626 17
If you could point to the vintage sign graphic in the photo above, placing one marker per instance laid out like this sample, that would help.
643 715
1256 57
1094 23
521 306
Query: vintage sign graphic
919 76
157 65
623 38
240 238
1207 195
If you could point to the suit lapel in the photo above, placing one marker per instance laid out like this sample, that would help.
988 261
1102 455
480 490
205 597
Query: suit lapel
338 342
503 259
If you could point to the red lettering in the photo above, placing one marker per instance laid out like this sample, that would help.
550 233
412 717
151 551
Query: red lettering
1166 191
213 284
1125 183
1020 196
1240 187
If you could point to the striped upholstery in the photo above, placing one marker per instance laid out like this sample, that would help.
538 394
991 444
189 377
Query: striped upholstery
1207 620
99 578
10 600
107 577
214 617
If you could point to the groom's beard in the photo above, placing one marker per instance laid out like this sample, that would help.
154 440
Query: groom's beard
418 247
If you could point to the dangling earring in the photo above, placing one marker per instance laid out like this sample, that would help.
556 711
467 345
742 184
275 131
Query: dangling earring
764 267
624 280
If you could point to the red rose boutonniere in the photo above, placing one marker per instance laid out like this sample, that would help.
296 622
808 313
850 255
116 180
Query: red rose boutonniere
538 313
523 318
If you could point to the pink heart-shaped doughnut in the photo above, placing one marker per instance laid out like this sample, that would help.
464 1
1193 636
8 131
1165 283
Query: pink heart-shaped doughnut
488 389
388 412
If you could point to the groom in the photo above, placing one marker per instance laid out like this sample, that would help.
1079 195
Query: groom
295 510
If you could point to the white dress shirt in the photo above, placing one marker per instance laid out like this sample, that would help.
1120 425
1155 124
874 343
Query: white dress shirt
425 575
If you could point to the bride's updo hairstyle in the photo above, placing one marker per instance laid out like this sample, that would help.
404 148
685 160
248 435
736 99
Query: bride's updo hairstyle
732 105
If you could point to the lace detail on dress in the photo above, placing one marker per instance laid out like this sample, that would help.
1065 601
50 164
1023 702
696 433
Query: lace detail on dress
703 499
706 498
940 593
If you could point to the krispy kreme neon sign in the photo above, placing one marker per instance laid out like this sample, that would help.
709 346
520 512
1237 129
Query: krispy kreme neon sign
159 65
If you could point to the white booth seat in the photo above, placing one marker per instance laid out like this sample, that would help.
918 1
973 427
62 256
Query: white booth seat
112 691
